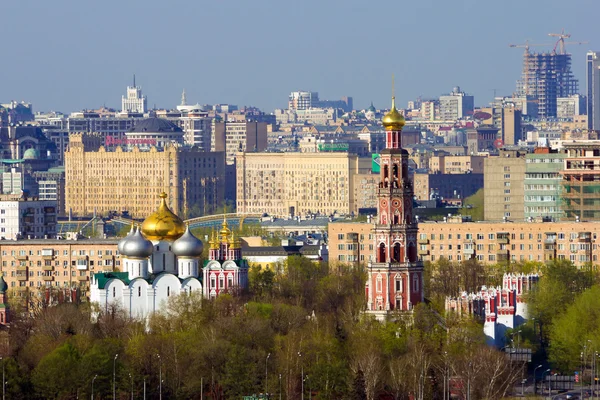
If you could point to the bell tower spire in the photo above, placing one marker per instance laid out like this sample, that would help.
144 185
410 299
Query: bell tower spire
396 273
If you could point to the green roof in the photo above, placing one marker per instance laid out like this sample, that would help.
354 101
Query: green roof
103 277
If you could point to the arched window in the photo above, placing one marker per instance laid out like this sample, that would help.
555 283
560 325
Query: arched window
381 255
399 287
139 291
164 262
412 252
379 284
396 257
114 292
168 291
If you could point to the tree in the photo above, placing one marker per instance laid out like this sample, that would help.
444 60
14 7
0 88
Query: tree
359 390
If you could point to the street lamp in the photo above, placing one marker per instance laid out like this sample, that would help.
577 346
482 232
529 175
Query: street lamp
279 386
93 379
131 378
535 379
544 373
159 377
302 375
267 374
115 376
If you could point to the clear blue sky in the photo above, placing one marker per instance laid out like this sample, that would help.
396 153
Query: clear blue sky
68 55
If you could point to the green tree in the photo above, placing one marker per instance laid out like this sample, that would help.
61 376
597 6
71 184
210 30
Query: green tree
54 375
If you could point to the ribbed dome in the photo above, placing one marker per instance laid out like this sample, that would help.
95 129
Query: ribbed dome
31 154
188 245
163 224
137 247
122 241
393 120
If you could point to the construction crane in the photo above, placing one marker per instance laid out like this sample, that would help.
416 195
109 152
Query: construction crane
527 45
560 43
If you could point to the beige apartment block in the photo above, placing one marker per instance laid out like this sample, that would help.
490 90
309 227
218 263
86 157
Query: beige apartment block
39 263
487 242
447 164
504 186
103 181
298 183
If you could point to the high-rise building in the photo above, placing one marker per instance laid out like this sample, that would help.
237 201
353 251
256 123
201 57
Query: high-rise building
545 77
134 102
593 90
569 107
503 179
22 217
395 277
581 180
105 181
543 198
456 105
298 183
302 100
235 137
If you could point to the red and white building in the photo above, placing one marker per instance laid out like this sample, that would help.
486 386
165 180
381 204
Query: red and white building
225 271
395 277
501 308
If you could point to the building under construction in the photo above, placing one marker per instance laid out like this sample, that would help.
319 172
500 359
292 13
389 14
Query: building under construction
545 77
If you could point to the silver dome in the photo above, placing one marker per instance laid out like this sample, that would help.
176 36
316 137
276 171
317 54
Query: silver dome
121 243
137 246
188 245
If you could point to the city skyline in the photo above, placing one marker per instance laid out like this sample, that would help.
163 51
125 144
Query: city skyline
75 56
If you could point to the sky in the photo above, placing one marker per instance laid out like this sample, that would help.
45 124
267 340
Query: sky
69 55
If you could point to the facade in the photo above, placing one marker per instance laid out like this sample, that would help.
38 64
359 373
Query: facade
395 276
32 264
365 191
581 180
501 308
451 164
302 100
234 137
21 217
194 179
507 118
593 90
134 102
487 242
197 128
157 132
503 183
285 184
543 189
455 105
570 107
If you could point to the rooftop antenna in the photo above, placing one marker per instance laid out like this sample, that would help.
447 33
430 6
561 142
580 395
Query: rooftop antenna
133 80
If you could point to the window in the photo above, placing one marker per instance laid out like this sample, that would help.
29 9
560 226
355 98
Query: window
398 284
139 291
415 283
379 285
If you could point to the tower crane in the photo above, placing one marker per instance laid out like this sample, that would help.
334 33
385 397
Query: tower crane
527 45
560 43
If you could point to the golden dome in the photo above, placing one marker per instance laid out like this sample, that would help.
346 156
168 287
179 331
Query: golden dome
214 244
393 120
163 224
225 231
234 242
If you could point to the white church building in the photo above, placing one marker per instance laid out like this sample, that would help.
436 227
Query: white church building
162 259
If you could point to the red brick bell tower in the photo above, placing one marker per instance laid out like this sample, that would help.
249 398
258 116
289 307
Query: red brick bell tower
395 277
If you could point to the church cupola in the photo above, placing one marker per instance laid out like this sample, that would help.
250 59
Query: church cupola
188 249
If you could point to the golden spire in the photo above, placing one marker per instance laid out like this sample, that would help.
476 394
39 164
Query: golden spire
393 120
214 244
234 242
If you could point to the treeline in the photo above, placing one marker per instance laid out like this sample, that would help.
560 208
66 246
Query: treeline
301 328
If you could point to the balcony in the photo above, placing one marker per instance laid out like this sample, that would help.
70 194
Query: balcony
502 240
423 252
21 277
22 269
83 278
48 278
22 258
469 250
47 257
48 268
423 241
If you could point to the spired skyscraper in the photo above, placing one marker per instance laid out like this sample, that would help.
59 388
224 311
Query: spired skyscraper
134 102
395 278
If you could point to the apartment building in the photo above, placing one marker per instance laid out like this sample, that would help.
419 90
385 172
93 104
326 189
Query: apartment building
103 181
23 217
233 137
298 183
503 183
38 263
487 242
